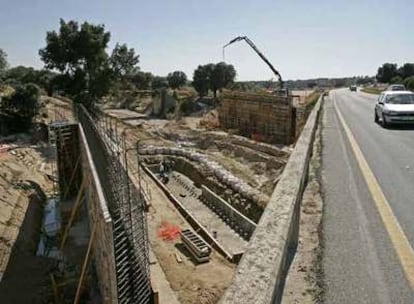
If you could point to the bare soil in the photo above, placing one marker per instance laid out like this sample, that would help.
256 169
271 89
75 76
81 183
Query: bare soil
55 109
193 283
24 178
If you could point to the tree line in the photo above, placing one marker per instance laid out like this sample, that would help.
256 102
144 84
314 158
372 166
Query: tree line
22 105
391 73
77 65
213 77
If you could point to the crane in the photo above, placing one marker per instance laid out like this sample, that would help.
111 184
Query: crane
254 47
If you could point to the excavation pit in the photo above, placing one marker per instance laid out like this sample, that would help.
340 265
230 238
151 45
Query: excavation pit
218 228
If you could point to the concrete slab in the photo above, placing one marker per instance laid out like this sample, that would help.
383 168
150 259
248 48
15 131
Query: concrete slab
125 114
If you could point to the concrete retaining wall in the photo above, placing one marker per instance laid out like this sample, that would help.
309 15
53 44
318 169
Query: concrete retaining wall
258 146
235 219
103 250
200 176
252 155
222 174
265 115
261 273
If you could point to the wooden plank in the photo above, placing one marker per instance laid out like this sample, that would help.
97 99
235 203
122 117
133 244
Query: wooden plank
85 263
178 257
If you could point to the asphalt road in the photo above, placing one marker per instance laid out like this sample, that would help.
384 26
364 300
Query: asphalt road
360 263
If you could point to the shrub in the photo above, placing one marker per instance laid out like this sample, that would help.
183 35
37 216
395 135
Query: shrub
23 104
396 80
409 83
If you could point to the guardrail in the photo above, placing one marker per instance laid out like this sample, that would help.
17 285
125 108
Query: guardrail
261 273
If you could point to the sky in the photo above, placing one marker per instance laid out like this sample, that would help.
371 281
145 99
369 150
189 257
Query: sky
302 38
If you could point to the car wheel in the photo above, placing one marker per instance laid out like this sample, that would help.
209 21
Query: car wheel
383 122
376 117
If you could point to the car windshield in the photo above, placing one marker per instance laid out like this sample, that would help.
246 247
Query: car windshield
397 88
400 99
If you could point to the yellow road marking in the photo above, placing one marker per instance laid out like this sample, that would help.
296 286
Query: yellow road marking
398 238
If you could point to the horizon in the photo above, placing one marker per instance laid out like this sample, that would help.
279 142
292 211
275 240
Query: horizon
311 40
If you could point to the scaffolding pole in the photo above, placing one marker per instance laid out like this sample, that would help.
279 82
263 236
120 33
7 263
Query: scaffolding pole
85 264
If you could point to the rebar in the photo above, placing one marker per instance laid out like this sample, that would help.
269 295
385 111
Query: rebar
125 205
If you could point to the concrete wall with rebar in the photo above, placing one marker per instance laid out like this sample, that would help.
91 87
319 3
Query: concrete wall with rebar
126 209
88 156
265 117
103 248
78 178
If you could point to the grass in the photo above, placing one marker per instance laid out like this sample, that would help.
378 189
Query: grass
372 90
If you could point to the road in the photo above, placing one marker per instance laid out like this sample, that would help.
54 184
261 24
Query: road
366 258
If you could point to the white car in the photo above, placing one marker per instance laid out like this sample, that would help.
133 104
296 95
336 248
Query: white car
396 87
395 107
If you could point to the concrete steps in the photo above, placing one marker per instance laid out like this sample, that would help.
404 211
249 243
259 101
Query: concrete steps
184 190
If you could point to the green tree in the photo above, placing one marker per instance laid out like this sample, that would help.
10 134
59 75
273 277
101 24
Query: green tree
386 72
339 82
124 61
202 78
23 104
222 75
20 74
78 52
23 75
44 79
409 83
213 77
3 61
407 70
363 80
176 79
159 82
123 64
141 80
396 80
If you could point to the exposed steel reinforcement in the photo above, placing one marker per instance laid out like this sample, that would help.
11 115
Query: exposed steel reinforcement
126 207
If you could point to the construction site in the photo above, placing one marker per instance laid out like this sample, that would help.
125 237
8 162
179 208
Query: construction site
143 205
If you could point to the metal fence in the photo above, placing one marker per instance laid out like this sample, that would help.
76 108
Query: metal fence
125 205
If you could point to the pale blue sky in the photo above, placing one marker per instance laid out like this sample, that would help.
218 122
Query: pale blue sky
302 38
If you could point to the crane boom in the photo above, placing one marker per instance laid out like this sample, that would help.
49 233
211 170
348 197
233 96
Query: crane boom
254 47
